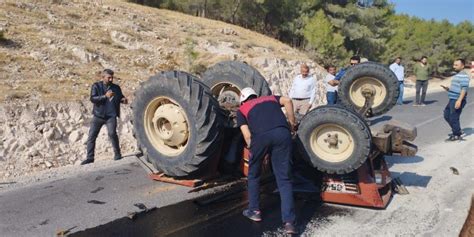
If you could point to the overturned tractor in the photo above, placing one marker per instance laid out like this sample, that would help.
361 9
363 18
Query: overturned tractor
185 127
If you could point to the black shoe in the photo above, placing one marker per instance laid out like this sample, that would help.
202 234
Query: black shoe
290 228
462 134
453 138
87 161
118 158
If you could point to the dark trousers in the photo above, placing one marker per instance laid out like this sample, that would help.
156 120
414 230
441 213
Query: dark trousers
277 142
451 115
423 86
331 97
96 125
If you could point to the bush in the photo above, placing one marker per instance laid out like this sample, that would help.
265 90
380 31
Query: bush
2 36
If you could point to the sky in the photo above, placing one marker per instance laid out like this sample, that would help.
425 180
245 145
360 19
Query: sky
454 11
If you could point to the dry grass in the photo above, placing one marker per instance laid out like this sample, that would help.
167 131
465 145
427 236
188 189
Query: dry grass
88 24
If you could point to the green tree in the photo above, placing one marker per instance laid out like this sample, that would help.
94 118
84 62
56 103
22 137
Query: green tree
326 45
365 29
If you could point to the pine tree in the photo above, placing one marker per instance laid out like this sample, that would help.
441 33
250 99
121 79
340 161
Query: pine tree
323 41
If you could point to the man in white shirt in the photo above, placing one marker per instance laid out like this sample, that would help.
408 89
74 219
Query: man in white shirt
399 71
331 91
303 91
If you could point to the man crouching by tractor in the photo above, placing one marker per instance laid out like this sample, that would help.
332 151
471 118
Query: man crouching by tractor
266 130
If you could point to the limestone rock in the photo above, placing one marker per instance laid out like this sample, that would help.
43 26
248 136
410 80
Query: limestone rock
75 136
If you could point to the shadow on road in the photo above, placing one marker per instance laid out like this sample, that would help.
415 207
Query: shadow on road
428 102
380 119
468 131
412 179
391 160
210 216
407 102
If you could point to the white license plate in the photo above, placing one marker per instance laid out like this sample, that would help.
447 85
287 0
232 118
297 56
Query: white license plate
339 187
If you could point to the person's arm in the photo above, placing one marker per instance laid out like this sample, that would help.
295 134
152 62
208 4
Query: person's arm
244 128
339 75
123 99
392 67
95 96
458 103
288 104
464 87
246 133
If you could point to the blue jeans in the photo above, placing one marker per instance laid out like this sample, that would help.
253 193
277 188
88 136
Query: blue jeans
277 142
331 97
451 115
400 96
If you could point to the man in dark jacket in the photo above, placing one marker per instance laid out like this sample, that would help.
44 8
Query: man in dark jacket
106 97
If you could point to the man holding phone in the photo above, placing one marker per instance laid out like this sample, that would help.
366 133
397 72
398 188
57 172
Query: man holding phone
457 94
106 97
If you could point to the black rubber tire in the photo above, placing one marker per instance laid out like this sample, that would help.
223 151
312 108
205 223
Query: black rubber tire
204 121
345 118
369 69
239 74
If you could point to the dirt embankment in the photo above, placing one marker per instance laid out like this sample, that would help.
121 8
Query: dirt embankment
52 49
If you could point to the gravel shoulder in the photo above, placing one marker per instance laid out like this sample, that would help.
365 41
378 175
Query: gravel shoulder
439 200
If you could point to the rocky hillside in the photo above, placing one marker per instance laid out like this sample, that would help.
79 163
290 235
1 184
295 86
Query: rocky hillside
51 51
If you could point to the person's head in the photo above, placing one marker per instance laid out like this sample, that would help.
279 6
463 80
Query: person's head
331 69
304 69
247 94
107 76
424 59
459 64
398 60
354 60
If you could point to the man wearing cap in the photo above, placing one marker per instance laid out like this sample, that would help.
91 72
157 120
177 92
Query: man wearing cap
106 97
266 130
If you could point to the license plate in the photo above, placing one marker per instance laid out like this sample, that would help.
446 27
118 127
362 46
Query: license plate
339 187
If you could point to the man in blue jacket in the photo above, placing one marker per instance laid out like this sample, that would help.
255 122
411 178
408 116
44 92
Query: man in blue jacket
337 79
106 97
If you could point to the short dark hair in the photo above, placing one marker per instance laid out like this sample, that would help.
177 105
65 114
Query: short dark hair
422 57
330 66
251 97
355 57
108 72
398 58
463 62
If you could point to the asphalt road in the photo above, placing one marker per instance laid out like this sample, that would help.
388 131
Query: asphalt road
437 203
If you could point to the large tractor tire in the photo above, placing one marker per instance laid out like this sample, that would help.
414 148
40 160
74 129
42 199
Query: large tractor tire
334 139
177 123
226 80
373 77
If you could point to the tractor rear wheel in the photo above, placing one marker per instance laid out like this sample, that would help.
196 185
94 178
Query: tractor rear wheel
226 80
177 123
334 139
371 77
